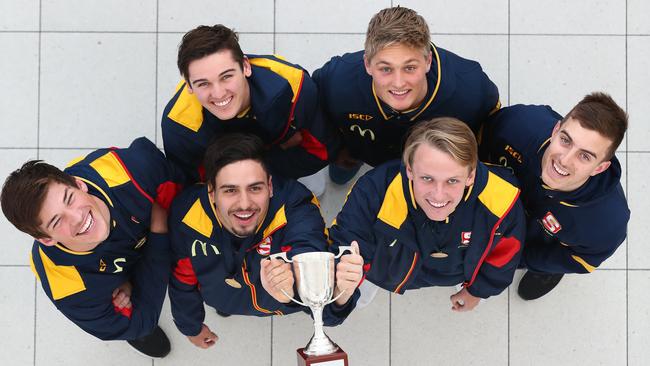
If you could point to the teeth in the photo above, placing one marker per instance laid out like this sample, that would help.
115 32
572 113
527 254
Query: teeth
87 225
400 92
559 170
244 216
223 103
438 204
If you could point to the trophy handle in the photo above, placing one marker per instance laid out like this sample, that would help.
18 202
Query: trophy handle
342 250
283 256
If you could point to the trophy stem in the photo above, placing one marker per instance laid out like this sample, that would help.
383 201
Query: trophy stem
320 343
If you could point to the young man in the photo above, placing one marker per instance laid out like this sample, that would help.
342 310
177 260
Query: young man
438 218
101 250
577 212
226 91
374 96
224 231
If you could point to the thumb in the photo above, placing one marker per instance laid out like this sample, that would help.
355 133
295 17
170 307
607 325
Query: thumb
355 247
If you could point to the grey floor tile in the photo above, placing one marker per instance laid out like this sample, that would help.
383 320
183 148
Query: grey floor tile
638 108
97 89
638 318
363 335
98 15
442 16
321 47
638 201
17 320
243 340
334 197
337 16
490 51
243 16
582 321
61 342
19 103
575 67
19 15
426 331
567 17
16 246
637 17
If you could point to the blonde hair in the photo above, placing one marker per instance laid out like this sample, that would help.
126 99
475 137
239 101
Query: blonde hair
397 25
446 134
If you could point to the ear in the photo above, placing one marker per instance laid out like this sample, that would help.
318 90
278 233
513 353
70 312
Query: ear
601 167
48 242
247 67
189 87
429 59
409 172
556 128
270 186
81 184
366 63
470 178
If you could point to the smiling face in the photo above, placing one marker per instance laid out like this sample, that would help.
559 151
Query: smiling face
439 181
573 155
241 193
399 75
73 217
220 84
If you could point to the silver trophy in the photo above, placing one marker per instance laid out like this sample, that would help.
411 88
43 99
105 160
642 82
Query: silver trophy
314 274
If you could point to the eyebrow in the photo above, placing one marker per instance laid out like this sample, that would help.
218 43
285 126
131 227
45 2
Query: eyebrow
405 62
234 186
220 75
566 134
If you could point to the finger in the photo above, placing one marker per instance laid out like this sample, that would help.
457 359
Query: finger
115 292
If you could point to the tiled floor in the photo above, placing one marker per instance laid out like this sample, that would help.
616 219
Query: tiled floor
81 74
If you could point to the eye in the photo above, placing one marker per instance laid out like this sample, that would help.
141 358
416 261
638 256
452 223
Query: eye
564 140
256 189
585 156
452 181
410 68
385 70
229 190
427 179
202 84
226 77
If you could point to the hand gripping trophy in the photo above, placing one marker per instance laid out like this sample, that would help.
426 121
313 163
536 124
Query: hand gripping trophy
314 274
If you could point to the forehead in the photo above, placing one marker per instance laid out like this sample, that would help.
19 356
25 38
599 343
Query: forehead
432 161
585 138
241 173
213 63
398 53
53 200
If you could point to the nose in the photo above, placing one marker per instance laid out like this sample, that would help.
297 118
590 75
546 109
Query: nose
244 200
437 191
216 91
75 217
565 158
399 80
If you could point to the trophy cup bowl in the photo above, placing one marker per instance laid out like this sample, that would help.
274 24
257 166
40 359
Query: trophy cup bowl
314 276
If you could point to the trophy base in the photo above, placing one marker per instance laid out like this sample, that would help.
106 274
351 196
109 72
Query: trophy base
338 358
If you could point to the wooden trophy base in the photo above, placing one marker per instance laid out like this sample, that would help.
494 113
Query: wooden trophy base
338 358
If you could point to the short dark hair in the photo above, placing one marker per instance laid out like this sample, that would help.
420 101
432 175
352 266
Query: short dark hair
229 149
204 41
599 112
24 191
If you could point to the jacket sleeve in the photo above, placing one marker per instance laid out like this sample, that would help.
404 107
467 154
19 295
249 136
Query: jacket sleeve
547 254
180 145
356 219
498 268
100 318
186 300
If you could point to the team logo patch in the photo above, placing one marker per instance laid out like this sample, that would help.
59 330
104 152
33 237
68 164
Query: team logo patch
465 237
135 219
550 223
264 247
102 265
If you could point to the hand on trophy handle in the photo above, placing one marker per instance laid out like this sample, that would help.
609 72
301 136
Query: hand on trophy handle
349 272
277 279
205 339
463 301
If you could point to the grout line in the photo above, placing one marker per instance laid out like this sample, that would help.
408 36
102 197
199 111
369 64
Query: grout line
508 93
272 317
390 328
38 143
14 265
627 247
35 319
275 15
155 92
339 33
